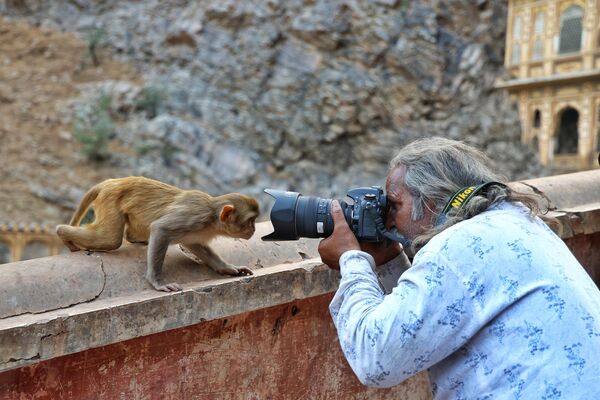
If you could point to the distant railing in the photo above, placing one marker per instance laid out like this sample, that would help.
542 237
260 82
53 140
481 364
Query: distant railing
20 241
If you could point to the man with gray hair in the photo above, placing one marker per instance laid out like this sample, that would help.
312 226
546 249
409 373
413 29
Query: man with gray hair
494 304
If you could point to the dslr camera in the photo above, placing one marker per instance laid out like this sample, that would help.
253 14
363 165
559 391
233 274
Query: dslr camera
294 216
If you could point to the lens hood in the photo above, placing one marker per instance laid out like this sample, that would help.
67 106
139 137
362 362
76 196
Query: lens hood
283 215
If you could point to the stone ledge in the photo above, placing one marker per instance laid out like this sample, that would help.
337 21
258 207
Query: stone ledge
30 337
572 198
64 304
88 300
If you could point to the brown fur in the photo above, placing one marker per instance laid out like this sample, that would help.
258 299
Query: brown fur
148 211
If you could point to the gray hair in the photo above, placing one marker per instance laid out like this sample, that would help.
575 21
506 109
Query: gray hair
436 168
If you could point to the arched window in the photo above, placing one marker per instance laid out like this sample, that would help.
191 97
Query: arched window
570 30
538 50
35 249
538 35
515 56
515 50
567 136
516 32
539 24
537 119
4 252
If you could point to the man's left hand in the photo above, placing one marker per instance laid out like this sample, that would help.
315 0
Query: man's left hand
341 240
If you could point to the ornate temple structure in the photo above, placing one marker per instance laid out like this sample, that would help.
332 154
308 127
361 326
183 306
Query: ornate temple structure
553 60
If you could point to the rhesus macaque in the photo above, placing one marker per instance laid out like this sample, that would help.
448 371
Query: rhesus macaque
154 213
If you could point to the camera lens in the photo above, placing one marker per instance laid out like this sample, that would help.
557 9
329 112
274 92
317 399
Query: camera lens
294 216
313 219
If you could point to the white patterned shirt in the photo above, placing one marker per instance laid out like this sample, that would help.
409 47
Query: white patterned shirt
494 307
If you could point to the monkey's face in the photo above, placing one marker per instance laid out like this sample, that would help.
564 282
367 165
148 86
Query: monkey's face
238 218
242 229
248 228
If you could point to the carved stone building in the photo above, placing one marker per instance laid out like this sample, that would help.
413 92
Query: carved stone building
24 242
553 58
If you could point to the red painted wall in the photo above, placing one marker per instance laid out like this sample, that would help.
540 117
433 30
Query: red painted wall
284 352
587 250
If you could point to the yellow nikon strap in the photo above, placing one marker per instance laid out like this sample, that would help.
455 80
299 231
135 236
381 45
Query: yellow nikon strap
462 196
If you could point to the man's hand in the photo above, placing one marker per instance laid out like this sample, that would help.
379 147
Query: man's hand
382 252
341 240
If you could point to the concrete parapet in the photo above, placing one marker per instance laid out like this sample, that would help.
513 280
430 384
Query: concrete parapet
83 317
59 305
574 199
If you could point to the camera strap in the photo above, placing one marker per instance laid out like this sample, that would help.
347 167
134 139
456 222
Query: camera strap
462 196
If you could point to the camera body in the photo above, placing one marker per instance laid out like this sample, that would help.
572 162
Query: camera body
369 203
294 216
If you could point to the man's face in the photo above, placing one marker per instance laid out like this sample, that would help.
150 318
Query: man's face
400 206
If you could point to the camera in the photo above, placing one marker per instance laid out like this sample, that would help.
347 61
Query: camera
294 216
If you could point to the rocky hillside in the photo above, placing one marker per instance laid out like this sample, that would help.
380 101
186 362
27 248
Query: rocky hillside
309 95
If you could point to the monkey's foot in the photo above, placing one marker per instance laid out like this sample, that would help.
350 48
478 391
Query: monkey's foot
72 247
169 287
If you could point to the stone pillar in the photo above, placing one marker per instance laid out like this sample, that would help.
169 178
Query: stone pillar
525 36
509 39
585 148
545 148
589 34
550 38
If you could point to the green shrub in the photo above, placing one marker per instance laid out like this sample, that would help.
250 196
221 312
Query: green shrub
150 100
146 148
93 128
166 151
95 39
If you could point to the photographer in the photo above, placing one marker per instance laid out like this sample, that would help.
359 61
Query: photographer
494 304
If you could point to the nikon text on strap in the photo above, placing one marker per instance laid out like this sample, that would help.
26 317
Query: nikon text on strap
462 196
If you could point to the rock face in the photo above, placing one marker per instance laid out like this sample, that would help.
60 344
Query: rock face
314 96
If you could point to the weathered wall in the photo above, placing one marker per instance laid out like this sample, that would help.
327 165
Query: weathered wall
92 328
88 326
285 352
587 250
575 200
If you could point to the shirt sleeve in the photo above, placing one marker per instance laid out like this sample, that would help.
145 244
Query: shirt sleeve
388 338
390 272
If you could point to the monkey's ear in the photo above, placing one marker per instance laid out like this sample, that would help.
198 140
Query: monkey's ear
226 211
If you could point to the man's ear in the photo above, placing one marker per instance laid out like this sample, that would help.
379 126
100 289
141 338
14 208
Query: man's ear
226 211
430 206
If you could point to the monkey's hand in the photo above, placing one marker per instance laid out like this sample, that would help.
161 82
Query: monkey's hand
204 255
230 269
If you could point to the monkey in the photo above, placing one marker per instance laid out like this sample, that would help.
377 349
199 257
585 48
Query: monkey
154 213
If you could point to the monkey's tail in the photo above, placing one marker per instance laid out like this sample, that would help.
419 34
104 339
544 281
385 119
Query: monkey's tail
88 198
